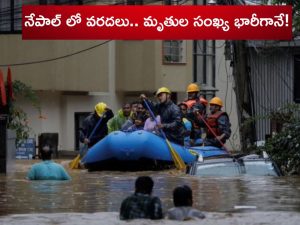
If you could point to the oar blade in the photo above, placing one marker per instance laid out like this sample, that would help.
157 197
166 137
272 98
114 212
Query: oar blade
179 163
74 164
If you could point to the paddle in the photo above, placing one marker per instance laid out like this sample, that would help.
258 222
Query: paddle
179 163
74 164
212 131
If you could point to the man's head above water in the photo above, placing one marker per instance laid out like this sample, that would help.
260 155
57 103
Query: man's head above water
144 185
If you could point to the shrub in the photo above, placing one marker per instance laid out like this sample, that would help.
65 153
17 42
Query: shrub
284 148
17 118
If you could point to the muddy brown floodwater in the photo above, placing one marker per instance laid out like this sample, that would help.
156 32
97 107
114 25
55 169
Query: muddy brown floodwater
98 195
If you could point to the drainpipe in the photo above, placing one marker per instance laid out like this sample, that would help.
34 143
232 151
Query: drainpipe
213 64
195 2
195 57
207 52
204 69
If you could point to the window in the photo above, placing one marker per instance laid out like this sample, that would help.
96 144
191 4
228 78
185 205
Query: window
174 51
10 16
79 118
174 2
134 2
297 78
61 2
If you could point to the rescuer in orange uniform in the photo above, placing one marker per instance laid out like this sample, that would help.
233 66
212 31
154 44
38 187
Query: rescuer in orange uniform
219 124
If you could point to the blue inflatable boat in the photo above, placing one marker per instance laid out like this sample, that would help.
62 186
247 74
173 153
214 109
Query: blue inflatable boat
140 150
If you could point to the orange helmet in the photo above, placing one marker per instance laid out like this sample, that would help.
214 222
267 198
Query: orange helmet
216 101
193 88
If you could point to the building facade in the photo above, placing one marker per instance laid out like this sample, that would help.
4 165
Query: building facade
70 77
275 80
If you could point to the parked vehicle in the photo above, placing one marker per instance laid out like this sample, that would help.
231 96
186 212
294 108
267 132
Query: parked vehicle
142 150
232 166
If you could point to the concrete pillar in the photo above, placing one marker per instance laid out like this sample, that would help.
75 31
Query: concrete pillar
3 122
7 146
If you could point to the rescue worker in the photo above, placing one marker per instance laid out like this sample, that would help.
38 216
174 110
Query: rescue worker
219 125
198 126
193 96
101 112
195 104
170 115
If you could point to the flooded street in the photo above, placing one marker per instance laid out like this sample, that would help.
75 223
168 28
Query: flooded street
99 192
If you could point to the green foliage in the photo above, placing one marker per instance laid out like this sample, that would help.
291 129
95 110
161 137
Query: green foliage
21 89
286 114
284 146
296 11
18 119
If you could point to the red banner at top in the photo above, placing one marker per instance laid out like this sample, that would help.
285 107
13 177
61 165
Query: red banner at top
157 22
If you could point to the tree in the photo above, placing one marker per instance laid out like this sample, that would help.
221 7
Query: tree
241 75
284 146
17 117
296 12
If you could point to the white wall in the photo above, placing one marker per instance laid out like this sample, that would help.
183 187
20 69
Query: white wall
58 113
59 109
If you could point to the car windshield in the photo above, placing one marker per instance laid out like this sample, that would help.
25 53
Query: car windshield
260 168
230 168
219 169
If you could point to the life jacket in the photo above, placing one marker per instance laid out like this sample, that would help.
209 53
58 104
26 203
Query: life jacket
190 103
212 121
203 101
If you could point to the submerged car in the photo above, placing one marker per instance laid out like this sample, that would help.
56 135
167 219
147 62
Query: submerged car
232 166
